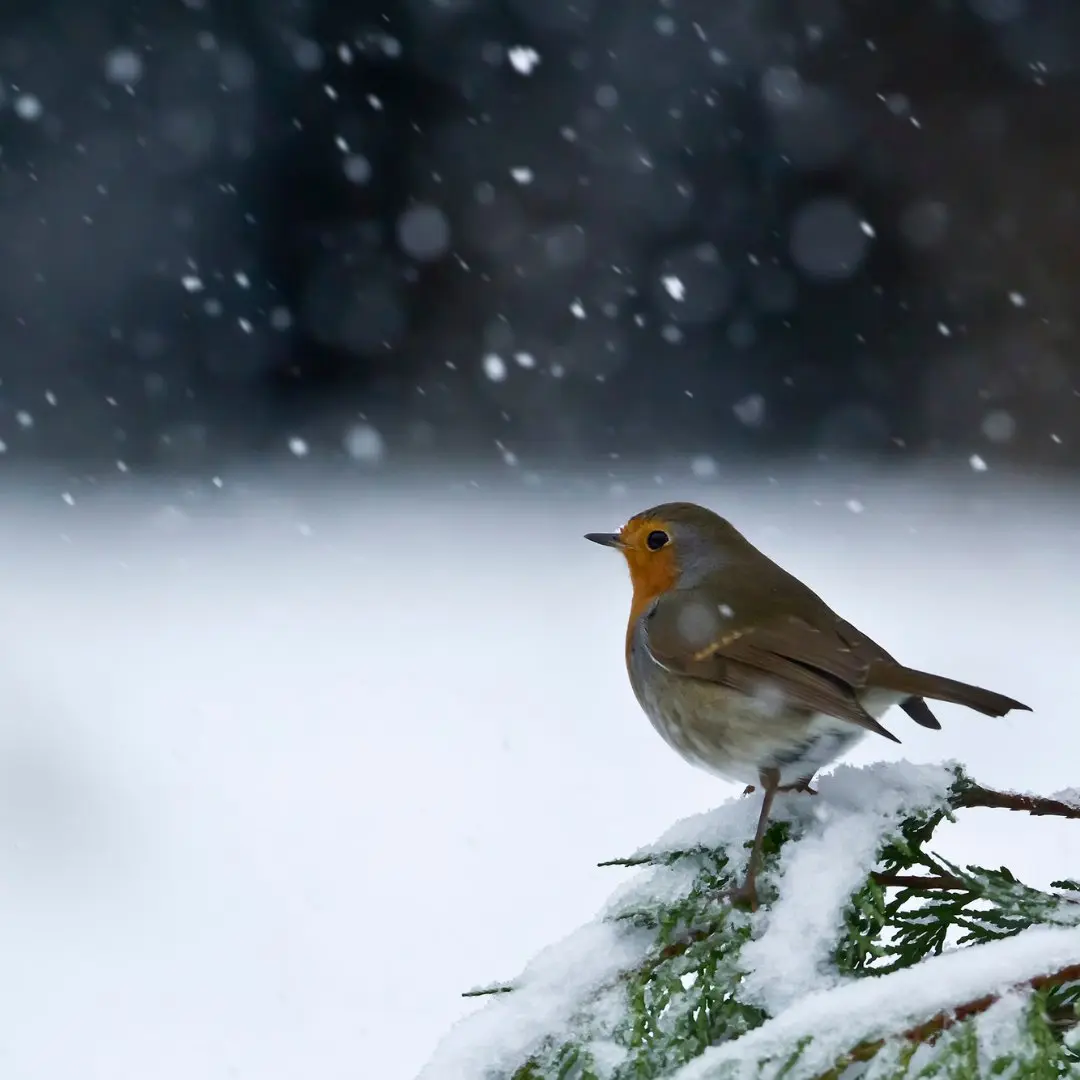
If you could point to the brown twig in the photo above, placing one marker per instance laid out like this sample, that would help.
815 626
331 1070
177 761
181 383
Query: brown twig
1009 800
918 881
927 1031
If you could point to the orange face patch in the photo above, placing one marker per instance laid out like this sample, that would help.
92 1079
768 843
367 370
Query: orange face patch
651 572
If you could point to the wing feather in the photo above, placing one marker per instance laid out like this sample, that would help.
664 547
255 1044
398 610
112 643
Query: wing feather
811 667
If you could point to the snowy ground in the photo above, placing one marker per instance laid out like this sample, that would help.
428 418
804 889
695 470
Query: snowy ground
279 778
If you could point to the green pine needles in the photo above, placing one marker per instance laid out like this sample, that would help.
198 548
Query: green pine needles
871 956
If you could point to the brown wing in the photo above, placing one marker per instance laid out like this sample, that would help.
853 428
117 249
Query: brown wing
815 667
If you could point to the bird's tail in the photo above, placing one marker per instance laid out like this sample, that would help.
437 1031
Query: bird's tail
922 684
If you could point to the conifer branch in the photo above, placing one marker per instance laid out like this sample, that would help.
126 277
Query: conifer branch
488 991
680 995
919 881
929 1030
662 858
969 795
972 795
668 952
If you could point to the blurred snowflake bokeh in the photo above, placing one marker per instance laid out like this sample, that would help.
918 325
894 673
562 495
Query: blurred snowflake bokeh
541 232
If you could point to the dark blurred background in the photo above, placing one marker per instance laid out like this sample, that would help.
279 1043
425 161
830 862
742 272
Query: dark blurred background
538 230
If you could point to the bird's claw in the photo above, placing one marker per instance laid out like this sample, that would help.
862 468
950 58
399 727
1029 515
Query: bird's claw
800 786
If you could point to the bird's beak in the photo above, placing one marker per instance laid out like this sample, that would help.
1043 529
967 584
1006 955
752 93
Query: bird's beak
607 539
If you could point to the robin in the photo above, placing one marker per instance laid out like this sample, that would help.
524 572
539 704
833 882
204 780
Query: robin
746 672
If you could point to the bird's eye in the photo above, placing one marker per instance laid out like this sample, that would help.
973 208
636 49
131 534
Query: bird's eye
656 540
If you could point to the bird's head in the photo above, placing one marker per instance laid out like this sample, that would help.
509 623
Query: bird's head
675 545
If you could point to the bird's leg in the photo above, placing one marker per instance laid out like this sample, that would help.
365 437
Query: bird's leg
747 891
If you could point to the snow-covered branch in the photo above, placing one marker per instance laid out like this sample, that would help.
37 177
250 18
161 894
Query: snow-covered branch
913 1004
869 946
928 1030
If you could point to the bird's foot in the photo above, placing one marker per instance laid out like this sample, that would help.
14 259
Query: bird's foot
799 785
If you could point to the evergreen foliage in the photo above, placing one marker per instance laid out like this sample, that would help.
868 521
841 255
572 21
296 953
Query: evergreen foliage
693 1003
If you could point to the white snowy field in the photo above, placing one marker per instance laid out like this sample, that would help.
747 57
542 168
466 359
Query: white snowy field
280 777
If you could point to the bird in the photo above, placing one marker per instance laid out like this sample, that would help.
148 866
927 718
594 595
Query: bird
746 672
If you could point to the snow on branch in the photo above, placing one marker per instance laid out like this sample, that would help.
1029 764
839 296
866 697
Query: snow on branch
869 948
854 1021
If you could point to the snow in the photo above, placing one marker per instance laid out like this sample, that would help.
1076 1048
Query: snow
870 1008
854 812
28 107
494 367
357 168
845 824
512 1026
271 799
423 232
523 59
674 287
726 825
997 1027
750 410
828 241
364 443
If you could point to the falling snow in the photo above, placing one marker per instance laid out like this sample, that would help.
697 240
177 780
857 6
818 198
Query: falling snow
424 232
674 287
703 466
363 443
28 107
494 367
123 66
750 410
523 59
